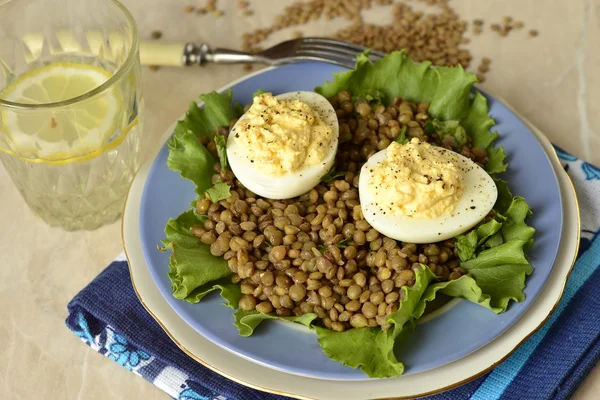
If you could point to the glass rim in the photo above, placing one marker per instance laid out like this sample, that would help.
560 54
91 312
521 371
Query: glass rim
98 89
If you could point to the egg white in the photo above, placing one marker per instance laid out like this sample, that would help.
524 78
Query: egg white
292 184
479 192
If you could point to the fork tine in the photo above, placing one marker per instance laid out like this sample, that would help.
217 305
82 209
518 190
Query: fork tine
319 41
314 57
326 49
344 57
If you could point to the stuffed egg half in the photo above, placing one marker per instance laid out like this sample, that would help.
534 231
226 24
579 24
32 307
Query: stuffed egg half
283 145
420 193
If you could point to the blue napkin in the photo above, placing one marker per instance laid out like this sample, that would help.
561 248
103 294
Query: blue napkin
108 317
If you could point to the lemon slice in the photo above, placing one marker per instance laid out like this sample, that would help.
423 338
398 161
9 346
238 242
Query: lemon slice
62 132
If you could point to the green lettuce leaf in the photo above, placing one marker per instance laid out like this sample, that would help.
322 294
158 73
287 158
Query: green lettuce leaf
465 287
191 265
374 99
229 291
500 270
412 296
191 159
477 124
515 227
493 241
186 154
222 151
496 157
448 90
218 111
486 235
247 321
494 255
372 349
219 191
402 139
505 197
332 175
192 269
258 92
447 128
468 243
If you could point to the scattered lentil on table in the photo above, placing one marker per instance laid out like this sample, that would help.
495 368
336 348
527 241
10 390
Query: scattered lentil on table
211 5
507 25
210 8
438 36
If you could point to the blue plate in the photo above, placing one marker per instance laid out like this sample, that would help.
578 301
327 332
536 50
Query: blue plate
447 337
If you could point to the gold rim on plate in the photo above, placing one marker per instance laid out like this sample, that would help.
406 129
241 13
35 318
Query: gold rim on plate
429 393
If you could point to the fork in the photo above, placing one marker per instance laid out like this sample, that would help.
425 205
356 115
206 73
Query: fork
303 49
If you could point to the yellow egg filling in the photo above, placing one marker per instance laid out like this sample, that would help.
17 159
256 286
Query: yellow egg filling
417 180
282 136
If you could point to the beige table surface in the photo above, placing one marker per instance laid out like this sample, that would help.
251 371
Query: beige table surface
554 80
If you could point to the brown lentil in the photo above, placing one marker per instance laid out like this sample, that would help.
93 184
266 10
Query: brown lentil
264 307
248 303
358 321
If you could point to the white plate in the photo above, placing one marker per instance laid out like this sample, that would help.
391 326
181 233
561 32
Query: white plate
417 385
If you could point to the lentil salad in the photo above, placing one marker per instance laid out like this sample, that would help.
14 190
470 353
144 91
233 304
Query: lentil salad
314 259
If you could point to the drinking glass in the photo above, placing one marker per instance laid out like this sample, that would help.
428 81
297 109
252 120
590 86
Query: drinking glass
70 107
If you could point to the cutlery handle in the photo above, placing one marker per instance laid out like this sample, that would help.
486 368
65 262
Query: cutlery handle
162 54
194 54
228 56
183 54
